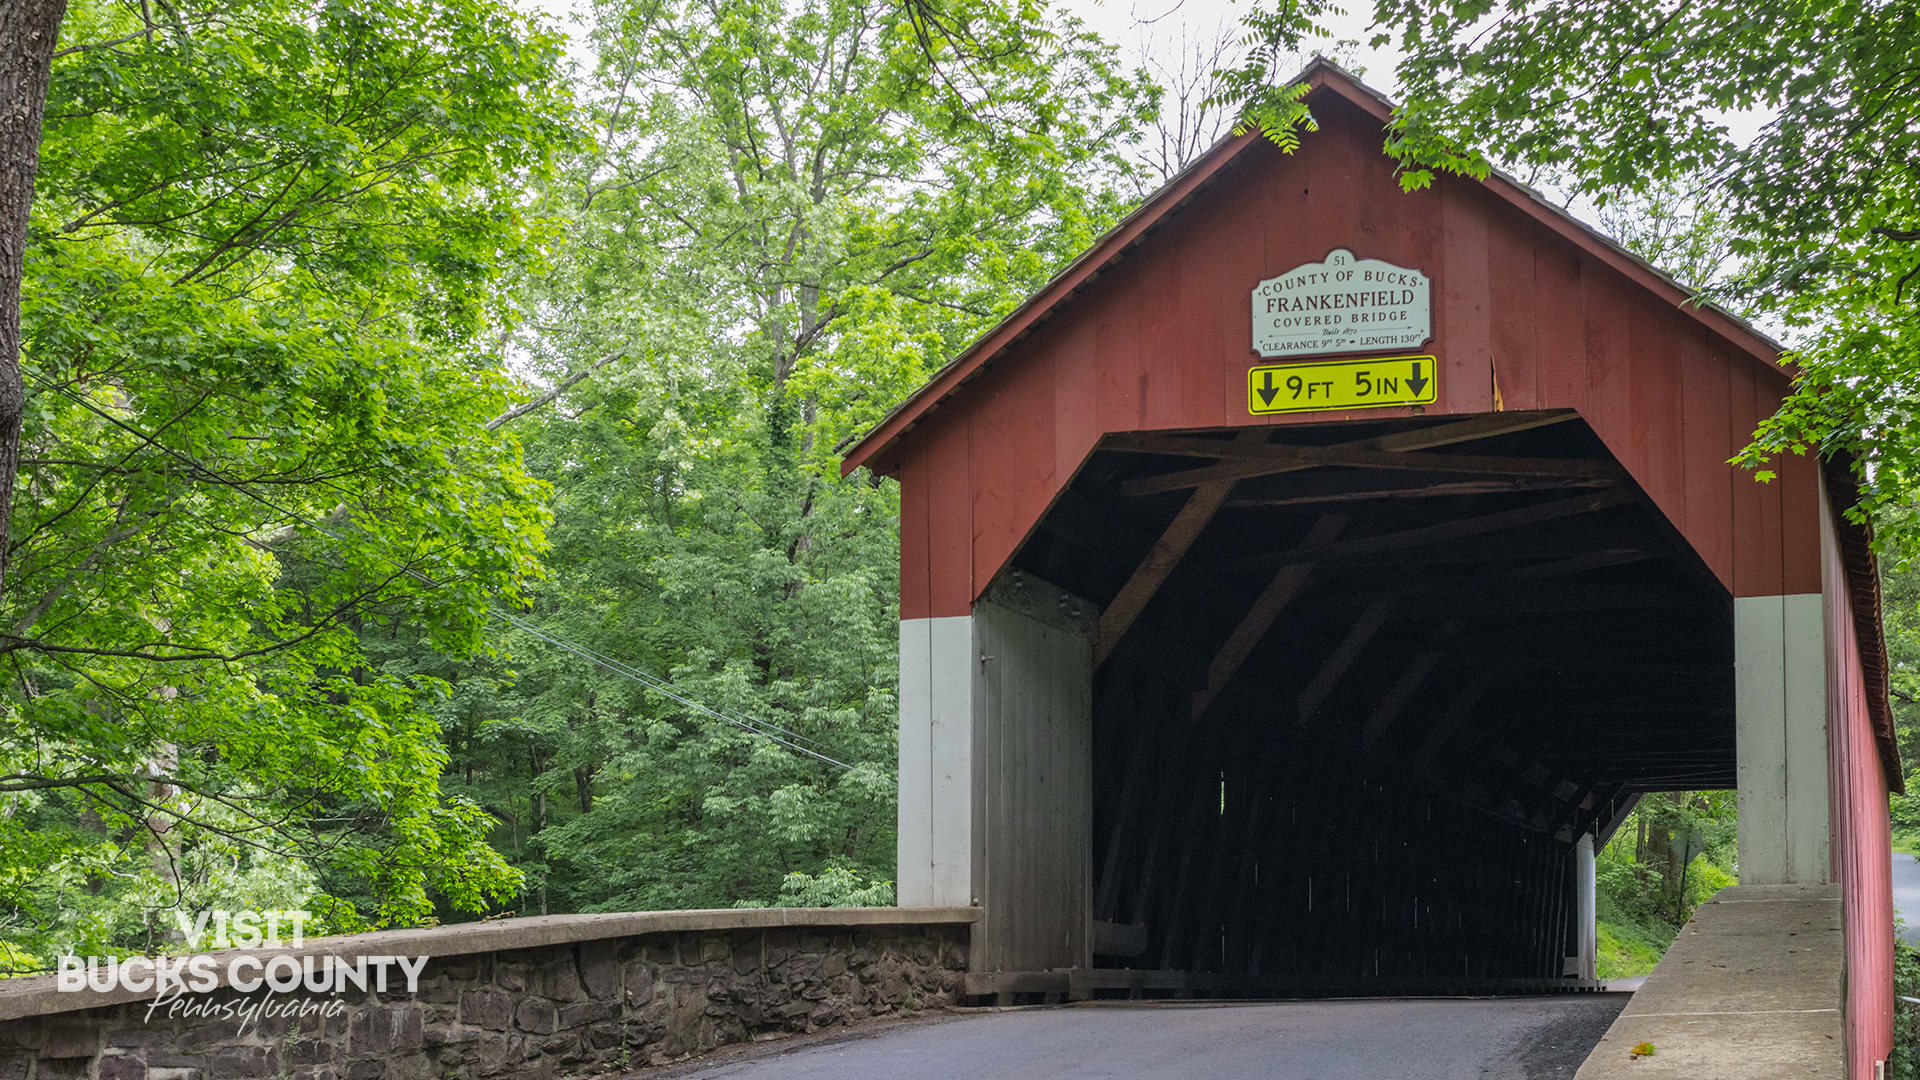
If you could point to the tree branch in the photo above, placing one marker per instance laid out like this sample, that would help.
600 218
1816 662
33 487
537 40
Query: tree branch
550 396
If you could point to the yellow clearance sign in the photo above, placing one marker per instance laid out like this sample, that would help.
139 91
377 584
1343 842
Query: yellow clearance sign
1348 384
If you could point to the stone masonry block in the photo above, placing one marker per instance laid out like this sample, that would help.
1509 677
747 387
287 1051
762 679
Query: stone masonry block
71 1040
559 980
122 1067
600 970
488 1009
536 1016
243 1063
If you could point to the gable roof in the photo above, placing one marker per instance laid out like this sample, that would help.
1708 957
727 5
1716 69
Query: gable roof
1325 77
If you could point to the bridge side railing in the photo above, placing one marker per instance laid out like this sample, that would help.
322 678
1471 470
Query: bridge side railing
529 997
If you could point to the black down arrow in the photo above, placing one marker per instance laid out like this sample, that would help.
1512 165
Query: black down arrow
1267 389
1416 381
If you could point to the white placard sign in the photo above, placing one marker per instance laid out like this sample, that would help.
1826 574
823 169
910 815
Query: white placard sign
1342 305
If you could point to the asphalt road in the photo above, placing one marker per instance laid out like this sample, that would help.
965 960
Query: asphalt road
1906 894
1487 1039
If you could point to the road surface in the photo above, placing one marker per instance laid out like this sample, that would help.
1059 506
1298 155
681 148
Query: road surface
1906 894
1488 1039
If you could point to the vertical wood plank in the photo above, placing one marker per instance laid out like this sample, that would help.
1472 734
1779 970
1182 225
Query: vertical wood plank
1076 425
914 872
1800 507
1466 359
949 514
1207 281
1160 323
1607 324
916 552
1036 709
1560 342
1149 889
1121 376
988 953
1191 828
1511 298
1756 506
1654 389
1331 193
1076 678
1277 190
951 652
1760 719
1810 732
1707 435
1113 865
1014 722
1012 474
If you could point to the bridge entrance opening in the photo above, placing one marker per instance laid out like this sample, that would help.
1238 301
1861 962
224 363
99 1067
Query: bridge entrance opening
1366 730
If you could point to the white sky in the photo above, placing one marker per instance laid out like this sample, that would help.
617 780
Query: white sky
1140 27
1135 25
1131 24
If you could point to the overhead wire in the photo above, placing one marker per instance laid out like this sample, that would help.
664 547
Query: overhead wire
768 730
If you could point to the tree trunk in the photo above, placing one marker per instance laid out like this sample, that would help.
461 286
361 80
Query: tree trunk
28 30
583 787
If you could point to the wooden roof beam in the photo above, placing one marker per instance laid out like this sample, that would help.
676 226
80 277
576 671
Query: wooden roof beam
1253 626
1560 601
1358 636
1445 531
1356 492
1361 458
1515 547
1495 582
1401 692
1450 721
1397 697
1479 427
1609 814
1166 554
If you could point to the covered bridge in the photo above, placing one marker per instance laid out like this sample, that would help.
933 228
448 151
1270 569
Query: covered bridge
1298 587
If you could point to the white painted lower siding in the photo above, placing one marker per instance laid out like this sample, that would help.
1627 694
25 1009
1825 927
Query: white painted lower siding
1780 733
936 763
996 783
1585 912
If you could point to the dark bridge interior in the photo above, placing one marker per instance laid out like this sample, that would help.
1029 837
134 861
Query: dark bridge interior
1356 727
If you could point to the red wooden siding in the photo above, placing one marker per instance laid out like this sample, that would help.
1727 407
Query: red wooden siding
1522 317
1151 331
1706 426
1861 845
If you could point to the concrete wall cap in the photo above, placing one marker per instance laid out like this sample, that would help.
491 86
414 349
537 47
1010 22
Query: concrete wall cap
38 995
1753 988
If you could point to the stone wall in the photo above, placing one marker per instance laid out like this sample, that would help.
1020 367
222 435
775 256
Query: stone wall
552 1009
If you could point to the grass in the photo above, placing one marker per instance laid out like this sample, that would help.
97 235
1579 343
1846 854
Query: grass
1632 934
1628 949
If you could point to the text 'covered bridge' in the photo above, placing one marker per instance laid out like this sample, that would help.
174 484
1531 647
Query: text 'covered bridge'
1298 588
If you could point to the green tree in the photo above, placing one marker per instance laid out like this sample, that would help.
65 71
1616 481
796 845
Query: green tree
1821 207
29 31
1900 612
789 216
261 340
